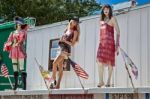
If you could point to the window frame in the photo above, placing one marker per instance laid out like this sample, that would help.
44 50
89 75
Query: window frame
50 60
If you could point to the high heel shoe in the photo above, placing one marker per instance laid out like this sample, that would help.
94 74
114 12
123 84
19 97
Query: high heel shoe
53 84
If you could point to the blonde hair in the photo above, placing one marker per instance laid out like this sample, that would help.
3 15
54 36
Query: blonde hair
77 29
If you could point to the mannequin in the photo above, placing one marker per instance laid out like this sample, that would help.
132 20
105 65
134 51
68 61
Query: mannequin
15 47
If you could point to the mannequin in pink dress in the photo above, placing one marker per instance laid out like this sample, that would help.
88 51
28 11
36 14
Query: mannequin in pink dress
107 46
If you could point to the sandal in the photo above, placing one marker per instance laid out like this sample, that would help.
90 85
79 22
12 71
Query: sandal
100 85
108 85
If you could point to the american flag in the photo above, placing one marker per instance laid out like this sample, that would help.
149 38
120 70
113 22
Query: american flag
78 70
129 62
4 70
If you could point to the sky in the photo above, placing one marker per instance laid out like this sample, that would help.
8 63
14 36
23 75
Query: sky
140 2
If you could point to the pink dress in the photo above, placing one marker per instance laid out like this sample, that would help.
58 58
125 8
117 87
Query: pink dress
16 51
106 49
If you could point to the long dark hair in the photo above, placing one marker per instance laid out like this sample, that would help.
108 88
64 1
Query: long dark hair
22 26
110 12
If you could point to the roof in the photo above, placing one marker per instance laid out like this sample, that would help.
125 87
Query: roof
11 24
7 25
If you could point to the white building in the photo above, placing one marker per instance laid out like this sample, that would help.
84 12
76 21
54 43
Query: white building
135 34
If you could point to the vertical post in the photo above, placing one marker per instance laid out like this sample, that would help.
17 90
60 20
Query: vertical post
127 70
10 82
147 96
107 95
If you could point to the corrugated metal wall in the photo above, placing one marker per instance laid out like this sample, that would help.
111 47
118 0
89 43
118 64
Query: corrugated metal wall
135 34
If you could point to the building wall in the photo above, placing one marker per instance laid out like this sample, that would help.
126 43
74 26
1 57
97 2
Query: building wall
5 30
4 82
135 34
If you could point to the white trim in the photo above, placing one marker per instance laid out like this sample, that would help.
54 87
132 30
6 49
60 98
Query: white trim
1 84
9 76
75 91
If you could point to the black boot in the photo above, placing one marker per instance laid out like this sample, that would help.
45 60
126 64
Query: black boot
24 77
16 80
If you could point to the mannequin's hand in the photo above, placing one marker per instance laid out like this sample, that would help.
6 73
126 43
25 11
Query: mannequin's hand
17 44
117 50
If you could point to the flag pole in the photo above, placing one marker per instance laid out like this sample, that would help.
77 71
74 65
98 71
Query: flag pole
10 82
42 76
128 71
78 78
80 82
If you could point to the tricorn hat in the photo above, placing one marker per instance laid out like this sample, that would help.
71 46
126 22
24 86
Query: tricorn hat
19 20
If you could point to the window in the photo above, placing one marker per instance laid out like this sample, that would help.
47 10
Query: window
54 50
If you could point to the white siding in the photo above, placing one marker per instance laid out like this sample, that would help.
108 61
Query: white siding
135 34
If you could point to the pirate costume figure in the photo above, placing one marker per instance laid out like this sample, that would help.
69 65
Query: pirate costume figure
15 47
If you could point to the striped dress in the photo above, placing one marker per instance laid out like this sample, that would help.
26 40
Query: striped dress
106 49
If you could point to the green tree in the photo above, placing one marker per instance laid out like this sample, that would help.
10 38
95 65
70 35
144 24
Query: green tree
46 11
